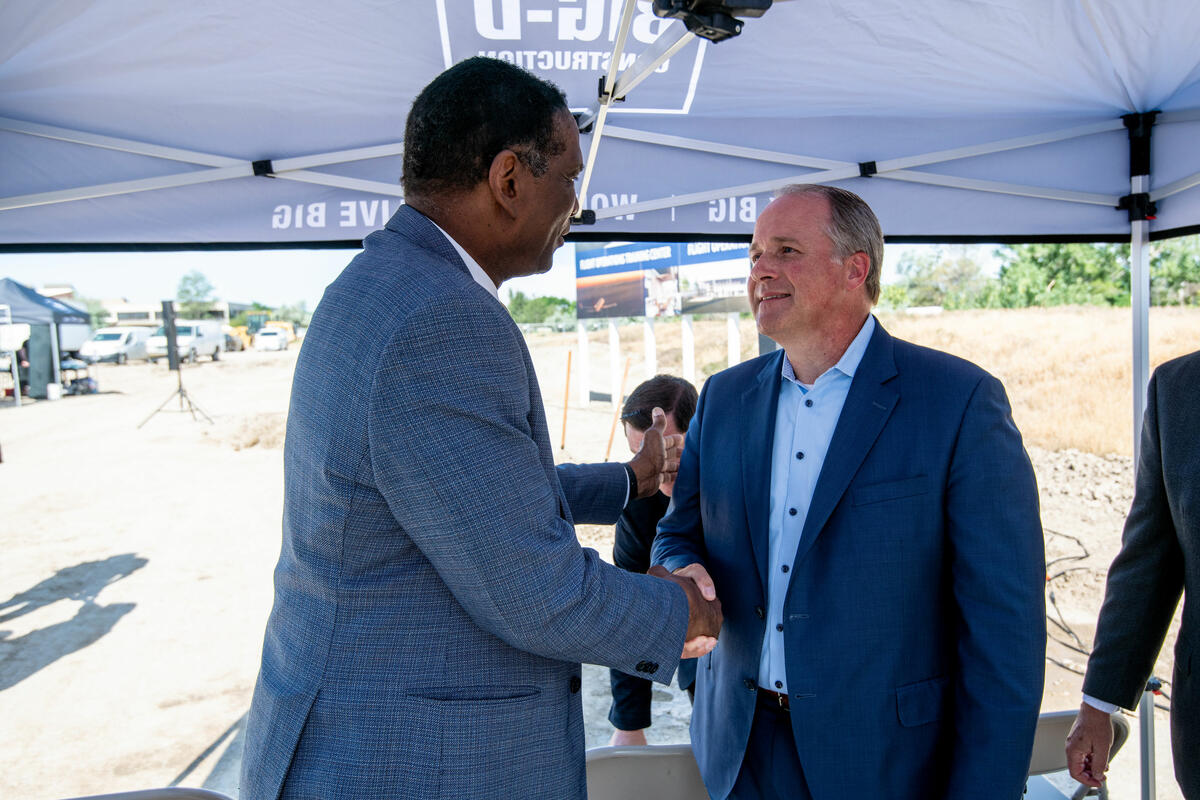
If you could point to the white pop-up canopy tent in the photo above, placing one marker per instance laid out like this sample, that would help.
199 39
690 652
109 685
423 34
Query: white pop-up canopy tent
227 124
233 124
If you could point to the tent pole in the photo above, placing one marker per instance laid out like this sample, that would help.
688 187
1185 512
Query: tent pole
1141 210
56 357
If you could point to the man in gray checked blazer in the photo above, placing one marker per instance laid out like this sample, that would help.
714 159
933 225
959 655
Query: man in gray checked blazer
1159 560
432 604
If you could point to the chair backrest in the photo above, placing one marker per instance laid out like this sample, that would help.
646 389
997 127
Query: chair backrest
661 772
1049 740
172 793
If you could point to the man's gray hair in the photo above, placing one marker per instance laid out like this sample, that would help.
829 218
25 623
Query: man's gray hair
852 227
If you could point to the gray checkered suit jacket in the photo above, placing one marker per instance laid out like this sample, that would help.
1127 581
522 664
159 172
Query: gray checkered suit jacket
432 603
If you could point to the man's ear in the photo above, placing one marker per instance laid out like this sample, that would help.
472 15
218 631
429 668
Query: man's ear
857 266
503 181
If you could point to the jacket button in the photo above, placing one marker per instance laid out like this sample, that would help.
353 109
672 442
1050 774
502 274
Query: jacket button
750 684
575 683
758 612
647 666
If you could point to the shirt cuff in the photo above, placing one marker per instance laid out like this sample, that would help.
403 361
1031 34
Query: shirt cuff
1099 705
630 485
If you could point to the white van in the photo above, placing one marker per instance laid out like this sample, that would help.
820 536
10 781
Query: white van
193 338
117 345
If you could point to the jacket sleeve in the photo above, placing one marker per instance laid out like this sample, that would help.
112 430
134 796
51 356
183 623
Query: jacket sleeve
596 493
1144 584
452 449
997 563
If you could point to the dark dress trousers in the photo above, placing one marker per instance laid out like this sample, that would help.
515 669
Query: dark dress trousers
634 536
1159 560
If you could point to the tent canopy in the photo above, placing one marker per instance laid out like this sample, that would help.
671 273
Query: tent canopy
273 123
30 308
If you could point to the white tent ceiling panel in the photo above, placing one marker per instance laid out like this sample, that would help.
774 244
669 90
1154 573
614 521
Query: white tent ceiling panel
830 84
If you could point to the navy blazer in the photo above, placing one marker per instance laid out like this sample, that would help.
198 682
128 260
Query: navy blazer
432 602
914 618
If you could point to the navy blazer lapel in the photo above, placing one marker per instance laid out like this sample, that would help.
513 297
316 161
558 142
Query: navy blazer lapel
759 405
868 405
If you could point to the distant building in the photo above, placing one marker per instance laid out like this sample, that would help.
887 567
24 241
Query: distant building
122 312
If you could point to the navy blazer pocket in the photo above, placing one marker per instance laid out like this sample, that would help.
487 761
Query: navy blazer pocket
922 702
890 490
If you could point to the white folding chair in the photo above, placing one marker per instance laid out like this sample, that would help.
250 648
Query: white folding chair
661 772
1049 745
172 793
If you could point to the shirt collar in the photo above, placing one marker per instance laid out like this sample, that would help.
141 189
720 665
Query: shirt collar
473 267
848 363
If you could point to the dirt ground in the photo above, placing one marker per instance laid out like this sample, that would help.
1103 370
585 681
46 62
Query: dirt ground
136 575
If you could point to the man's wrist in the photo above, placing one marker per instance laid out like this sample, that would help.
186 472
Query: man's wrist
633 484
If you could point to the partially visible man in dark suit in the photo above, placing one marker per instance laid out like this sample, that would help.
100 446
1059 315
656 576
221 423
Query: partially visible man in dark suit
634 536
432 602
869 518
1159 560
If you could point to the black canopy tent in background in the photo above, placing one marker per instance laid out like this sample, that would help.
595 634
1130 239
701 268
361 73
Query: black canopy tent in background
225 124
27 307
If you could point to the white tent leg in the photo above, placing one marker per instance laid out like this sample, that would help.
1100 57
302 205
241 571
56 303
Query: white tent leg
585 369
651 345
734 337
689 349
1139 282
614 357
56 358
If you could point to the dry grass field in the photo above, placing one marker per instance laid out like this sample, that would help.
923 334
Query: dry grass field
1067 370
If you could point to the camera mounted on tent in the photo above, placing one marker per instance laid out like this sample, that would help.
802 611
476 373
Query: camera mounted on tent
711 19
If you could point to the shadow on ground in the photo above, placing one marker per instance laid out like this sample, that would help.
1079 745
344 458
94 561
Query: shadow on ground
33 651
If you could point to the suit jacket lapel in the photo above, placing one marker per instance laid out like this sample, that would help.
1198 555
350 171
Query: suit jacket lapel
759 404
868 405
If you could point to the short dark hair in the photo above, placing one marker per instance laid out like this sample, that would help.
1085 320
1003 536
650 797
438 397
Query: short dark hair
471 112
673 395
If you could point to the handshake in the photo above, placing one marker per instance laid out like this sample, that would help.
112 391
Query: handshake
704 609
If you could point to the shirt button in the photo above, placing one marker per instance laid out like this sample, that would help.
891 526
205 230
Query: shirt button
784 568
808 403
799 456
778 684
793 511
779 627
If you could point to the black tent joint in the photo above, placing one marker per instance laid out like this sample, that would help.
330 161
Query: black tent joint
1139 206
586 217
866 169
1139 126
263 167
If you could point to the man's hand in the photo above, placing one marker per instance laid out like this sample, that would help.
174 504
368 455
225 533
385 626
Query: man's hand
658 459
704 609
1088 746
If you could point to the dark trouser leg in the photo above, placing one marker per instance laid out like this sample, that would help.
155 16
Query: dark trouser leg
630 710
771 768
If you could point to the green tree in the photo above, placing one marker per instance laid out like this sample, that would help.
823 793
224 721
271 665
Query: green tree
1175 271
1061 274
539 309
950 277
297 314
195 295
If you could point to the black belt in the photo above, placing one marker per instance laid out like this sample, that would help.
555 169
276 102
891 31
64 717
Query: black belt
772 701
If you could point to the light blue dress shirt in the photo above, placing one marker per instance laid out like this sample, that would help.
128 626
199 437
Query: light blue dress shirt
804 423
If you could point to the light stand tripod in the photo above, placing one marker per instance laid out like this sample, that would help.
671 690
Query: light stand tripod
168 329
184 400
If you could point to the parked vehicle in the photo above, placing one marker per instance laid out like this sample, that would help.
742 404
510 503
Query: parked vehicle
270 339
288 329
237 338
117 345
192 338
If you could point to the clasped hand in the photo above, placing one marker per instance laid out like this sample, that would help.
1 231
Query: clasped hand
704 609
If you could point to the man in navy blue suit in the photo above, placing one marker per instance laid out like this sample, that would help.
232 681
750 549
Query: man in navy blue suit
868 516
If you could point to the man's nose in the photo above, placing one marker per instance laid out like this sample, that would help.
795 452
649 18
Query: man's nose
761 270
